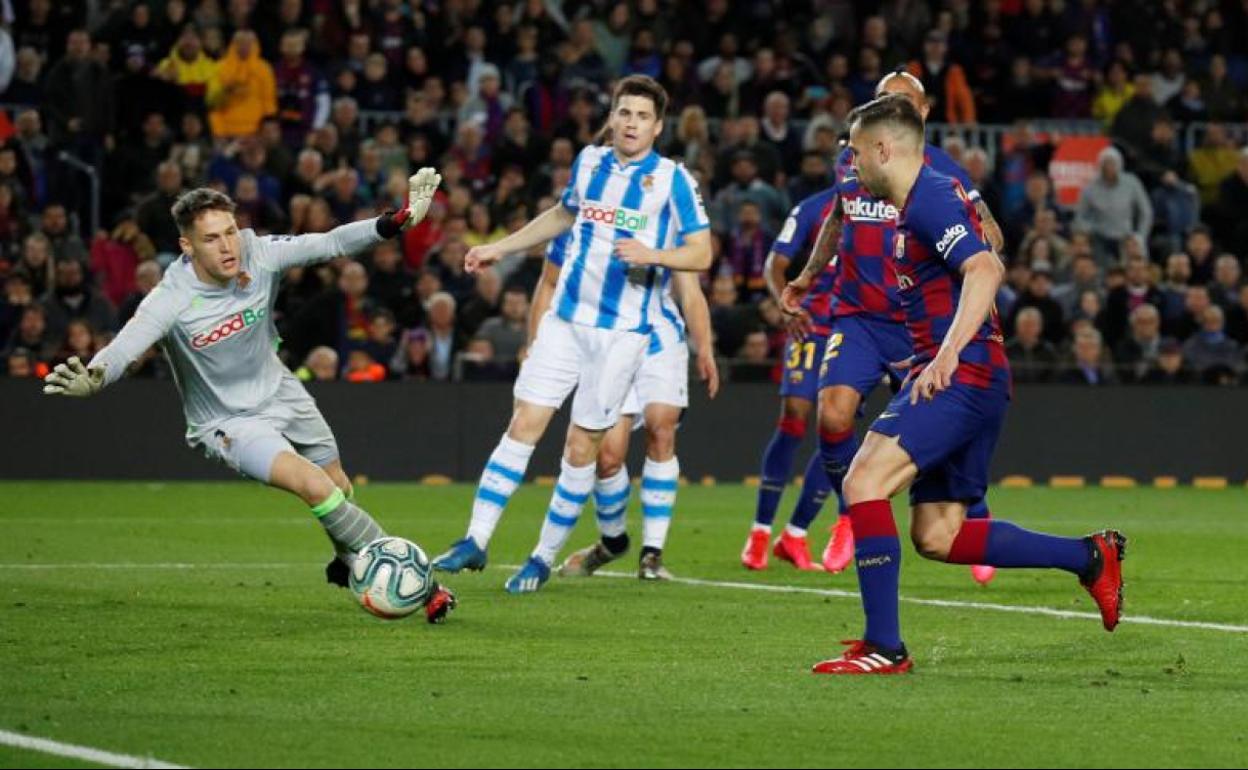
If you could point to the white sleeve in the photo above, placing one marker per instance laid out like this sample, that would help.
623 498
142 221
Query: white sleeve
152 320
277 253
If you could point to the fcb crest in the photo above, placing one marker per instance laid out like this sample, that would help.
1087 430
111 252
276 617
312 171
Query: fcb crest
899 247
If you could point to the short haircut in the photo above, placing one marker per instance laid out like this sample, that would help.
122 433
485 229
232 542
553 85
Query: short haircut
893 110
641 85
191 204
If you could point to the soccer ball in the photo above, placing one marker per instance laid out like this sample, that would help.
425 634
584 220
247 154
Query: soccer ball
391 577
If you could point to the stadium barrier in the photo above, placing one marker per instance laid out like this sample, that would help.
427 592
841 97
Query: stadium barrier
410 431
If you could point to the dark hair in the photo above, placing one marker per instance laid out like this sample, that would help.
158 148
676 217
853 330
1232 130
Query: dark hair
889 109
641 85
191 204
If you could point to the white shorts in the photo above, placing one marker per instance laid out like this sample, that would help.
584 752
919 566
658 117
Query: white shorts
289 422
599 363
662 379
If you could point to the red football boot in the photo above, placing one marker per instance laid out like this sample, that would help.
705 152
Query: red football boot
1104 577
796 551
755 554
865 658
840 550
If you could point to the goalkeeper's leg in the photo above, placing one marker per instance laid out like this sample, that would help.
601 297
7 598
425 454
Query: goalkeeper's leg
348 526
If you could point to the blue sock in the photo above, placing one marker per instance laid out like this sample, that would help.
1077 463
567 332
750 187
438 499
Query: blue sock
837 451
777 465
815 489
1002 544
877 551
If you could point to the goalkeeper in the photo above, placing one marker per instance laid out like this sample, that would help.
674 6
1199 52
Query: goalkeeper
212 315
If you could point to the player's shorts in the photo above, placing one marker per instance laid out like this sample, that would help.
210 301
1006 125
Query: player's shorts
950 438
600 364
801 367
859 353
662 379
288 422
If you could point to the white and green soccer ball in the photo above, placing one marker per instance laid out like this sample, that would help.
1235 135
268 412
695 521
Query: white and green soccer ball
391 577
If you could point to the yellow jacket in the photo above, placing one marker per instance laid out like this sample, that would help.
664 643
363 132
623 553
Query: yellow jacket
195 76
1108 101
242 92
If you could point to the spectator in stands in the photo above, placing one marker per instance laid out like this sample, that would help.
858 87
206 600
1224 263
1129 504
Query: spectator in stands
189 67
26 87
483 303
153 214
1168 81
1199 249
507 333
321 365
747 186
945 81
1138 352
1210 352
115 256
445 341
745 252
1195 303
361 367
1038 295
73 298
1121 302
79 340
814 177
1212 162
1133 125
1223 97
17 297
1032 358
1170 368
32 334
1084 276
1227 274
1113 206
1088 367
1228 217
1114 93
78 102
302 92
778 132
37 264
147 275
243 91
337 317
21 363
1237 317
1177 275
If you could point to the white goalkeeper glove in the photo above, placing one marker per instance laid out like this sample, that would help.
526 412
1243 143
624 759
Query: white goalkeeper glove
74 379
420 189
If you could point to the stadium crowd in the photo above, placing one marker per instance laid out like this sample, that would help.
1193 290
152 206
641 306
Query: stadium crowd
311 113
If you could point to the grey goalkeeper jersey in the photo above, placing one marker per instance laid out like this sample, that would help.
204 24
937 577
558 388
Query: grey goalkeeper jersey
221 341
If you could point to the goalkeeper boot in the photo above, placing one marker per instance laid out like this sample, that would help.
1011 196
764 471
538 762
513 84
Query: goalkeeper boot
337 573
463 554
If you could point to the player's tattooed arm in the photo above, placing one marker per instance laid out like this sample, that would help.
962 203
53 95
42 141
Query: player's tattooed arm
992 228
821 255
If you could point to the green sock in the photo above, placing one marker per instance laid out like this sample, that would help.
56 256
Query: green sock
349 527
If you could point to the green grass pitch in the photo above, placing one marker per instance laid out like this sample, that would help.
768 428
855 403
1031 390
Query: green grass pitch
247 658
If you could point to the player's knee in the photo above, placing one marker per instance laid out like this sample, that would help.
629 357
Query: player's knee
661 442
835 419
858 486
582 445
932 543
610 460
795 409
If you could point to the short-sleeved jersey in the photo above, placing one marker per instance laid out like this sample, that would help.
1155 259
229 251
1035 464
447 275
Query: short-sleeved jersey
866 282
653 199
797 239
939 230
667 326
221 341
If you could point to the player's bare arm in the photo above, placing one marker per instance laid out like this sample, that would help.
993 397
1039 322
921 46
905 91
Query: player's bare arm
992 228
797 323
823 253
544 227
981 277
697 315
542 294
694 255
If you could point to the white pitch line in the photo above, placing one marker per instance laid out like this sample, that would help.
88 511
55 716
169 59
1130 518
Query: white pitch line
85 753
1142 620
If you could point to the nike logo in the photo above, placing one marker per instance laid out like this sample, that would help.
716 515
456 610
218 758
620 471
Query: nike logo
886 415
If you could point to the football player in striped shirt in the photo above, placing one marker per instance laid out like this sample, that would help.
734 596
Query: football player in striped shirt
938 433
629 213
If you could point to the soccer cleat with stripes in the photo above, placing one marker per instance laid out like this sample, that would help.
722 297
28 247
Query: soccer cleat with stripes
529 578
865 658
796 551
651 567
755 554
587 561
1104 576
983 574
463 554
840 550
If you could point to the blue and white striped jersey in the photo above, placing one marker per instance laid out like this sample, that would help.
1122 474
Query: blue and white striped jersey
654 200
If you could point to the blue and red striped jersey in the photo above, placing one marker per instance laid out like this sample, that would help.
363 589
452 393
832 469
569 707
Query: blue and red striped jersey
796 240
939 230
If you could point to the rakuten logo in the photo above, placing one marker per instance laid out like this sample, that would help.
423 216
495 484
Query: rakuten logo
950 238
239 322
619 218
861 208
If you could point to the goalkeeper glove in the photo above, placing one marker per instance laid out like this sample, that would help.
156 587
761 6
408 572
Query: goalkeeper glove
421 187
73 379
